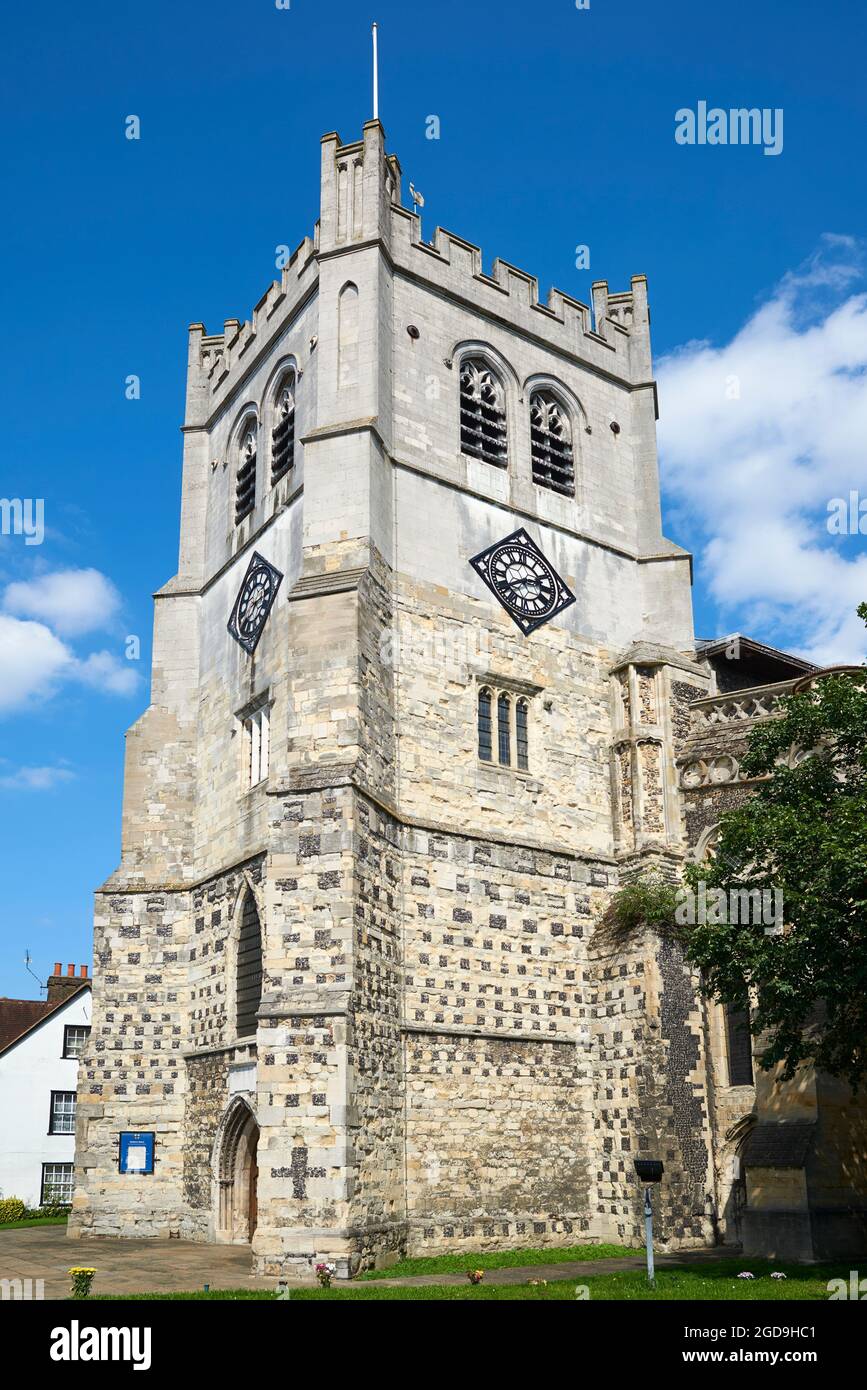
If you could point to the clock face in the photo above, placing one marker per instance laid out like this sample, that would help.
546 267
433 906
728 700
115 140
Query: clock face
524 582
254 603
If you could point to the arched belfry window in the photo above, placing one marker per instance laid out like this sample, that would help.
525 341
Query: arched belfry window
248 970
245 487
483 413
551 443
283 433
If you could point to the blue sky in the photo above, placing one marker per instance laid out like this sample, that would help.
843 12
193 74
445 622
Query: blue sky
557 129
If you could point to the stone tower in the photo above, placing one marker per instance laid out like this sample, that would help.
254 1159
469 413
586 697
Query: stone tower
346 974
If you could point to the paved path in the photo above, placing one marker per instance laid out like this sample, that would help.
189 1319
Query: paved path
125 1266
176 1266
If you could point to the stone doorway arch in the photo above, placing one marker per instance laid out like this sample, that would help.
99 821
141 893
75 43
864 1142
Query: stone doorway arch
236 1173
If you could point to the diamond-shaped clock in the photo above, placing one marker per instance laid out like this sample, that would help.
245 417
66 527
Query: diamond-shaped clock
254 602
523 580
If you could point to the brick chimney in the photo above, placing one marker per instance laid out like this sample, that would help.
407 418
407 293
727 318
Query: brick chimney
60 986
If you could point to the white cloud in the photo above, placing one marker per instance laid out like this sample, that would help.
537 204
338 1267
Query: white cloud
32 661
35 778
105 671
71 602
756 437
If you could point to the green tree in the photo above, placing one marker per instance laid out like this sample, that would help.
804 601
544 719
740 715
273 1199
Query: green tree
803 832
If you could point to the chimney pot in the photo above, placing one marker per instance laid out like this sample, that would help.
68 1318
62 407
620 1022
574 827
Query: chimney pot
84 972
70 970
57 967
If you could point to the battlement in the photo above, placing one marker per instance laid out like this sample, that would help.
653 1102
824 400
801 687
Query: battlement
613 333
220 353
361 206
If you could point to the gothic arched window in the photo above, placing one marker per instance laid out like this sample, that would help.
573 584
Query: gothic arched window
245 486
522 746
248 970
504 727
504 731
486 752
483 413
283 433
551 443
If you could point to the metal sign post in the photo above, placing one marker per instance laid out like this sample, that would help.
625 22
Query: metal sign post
648 1233
649 1170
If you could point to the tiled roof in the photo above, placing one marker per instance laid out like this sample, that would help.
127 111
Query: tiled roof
18 1016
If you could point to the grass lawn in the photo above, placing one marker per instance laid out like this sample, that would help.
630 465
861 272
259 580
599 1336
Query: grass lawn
33 1221
716 1281
499 1259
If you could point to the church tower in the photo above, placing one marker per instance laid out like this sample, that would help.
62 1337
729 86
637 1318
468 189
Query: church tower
417 693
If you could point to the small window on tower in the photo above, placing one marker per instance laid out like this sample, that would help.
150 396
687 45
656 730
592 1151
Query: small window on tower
521 738
485 732
504 728
257 738
245 490
483 414
283 433
551 444
504 732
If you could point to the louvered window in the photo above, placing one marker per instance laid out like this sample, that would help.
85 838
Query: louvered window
248 980
483 414
551 444
245 492
283 433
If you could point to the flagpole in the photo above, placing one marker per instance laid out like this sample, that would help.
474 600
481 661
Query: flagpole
376 72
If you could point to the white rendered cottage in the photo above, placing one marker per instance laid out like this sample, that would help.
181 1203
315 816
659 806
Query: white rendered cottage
41 1041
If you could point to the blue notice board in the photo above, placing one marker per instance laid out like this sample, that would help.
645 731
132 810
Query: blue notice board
136 1152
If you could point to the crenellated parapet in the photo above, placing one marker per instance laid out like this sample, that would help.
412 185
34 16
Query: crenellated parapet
613 335
361 207
218 361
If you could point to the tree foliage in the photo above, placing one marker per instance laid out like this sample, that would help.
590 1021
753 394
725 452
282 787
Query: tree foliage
804 831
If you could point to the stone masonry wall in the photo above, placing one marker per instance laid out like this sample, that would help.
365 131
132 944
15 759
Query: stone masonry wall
650 1087
498 1077
133 1076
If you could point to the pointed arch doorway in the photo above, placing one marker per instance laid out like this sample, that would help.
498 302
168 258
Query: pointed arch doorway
236 1174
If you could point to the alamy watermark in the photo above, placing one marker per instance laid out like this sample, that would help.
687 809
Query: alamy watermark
739 126
444 649
855 1290
847 516
739 907
23 517
22 1290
